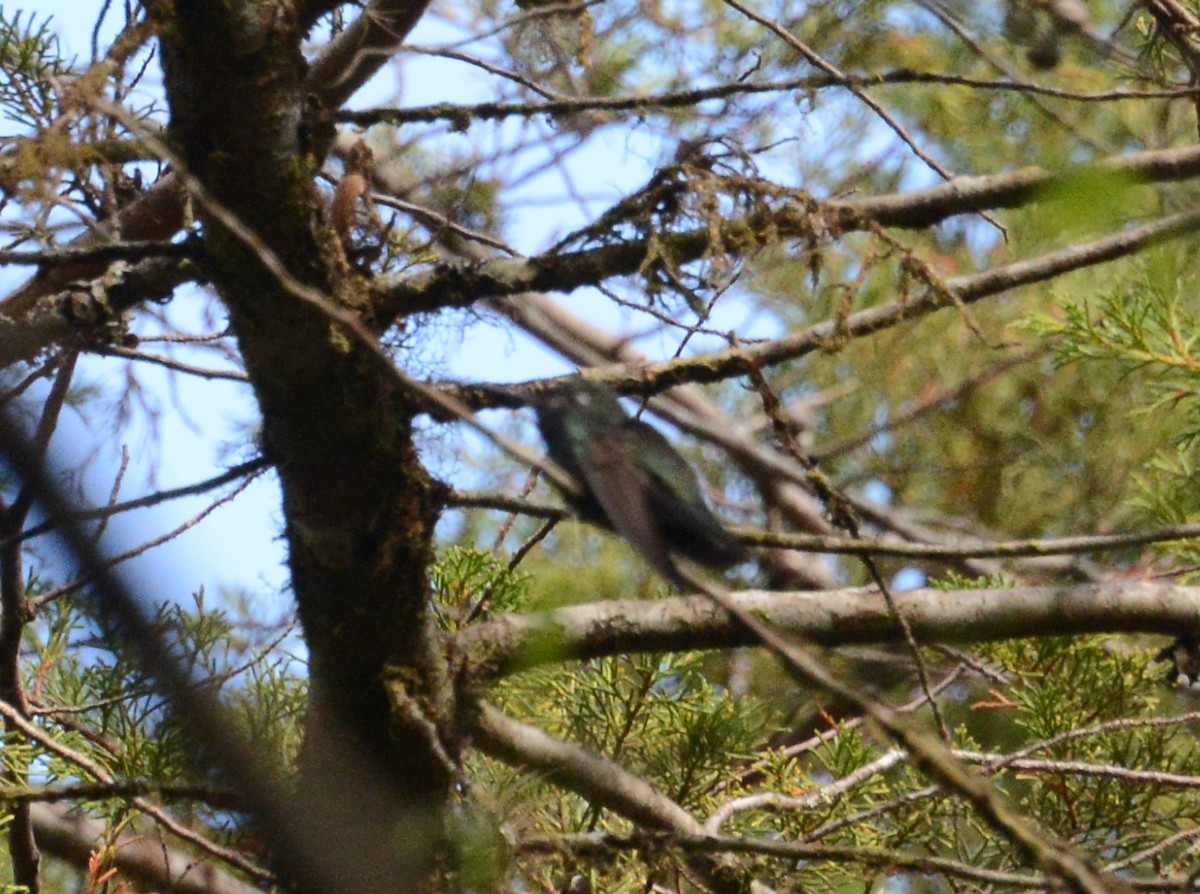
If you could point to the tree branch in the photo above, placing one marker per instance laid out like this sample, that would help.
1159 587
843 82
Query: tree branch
61 314
650 378
996 549
498 111
600 780
115 251
508 643
341 68
599 844
352 59
73 837
449 285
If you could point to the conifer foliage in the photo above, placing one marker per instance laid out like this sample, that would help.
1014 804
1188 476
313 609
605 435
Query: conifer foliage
909 284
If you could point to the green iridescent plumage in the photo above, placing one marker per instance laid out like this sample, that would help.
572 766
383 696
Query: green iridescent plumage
634 481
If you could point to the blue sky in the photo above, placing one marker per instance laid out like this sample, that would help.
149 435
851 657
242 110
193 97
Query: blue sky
240 544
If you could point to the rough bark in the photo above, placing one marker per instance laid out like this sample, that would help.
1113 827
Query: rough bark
356 501
857 616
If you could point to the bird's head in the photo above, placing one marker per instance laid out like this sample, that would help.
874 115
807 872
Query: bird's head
572 401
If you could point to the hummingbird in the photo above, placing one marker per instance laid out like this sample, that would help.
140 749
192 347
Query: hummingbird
633 481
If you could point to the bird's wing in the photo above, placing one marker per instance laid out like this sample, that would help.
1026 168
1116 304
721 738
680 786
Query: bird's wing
620 489
687 524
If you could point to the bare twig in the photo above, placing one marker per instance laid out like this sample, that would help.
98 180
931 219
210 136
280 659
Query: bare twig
495 111
175 365
89 575
826 794
996 549
842 515
250 467
117 251
882 858
74 838
1059 859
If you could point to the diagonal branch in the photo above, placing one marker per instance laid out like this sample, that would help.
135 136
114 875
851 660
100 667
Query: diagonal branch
718 365
1056 856
74 838
602 781
300 848
598 779
356 54
345 64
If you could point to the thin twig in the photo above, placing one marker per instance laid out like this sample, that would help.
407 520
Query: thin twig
883 858
998 549
117 251
172 364
251 467
84 762
930 404
1059 859
823 796
816 60
493 111
111 562
843 517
